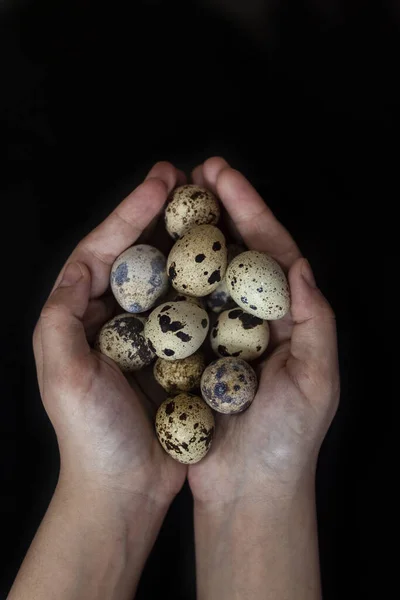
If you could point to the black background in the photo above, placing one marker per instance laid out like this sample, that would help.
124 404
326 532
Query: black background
302 97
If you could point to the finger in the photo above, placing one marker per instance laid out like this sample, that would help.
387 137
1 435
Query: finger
123 226
313 346
197 176
255 222
211 169
98 312
63 340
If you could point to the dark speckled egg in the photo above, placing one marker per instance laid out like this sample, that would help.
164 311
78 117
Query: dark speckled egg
190 205
122 339
197 262
185 427
176 330
229 385
139 278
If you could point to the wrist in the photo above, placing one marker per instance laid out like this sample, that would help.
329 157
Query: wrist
96 502
272 498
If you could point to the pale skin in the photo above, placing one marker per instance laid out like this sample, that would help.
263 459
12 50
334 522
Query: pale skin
255 521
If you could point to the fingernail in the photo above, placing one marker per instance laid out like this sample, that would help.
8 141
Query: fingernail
307 274
71 276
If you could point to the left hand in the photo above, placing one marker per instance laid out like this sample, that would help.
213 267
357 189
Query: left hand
272 448
105 433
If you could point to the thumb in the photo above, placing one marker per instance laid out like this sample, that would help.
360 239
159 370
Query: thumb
313 344
62 334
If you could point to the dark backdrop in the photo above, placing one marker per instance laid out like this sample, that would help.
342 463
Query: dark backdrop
302 97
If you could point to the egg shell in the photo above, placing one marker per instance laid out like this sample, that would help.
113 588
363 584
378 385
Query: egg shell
239 334
139 278
220 298
185 427
190 205
229 385
122 339
176 330
197 262
180 375
258 285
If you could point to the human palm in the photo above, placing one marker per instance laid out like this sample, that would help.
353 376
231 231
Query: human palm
276 441
104 423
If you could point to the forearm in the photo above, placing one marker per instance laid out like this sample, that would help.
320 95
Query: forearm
88 547
258 550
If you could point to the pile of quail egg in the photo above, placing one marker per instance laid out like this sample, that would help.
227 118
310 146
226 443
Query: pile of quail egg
166 322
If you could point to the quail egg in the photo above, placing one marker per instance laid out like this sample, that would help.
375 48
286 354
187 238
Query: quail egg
190 205
139 278
229 385
258 285
122 339
197 262
185 427
220 298
176 330
183 375
237 333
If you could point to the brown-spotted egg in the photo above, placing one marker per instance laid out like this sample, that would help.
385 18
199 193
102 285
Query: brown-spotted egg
258 285
122 339
185 427
229 385
238 333
180 375
190 205
176 329
139 278
197 262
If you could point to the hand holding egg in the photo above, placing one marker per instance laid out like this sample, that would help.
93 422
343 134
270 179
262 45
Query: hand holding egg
176 324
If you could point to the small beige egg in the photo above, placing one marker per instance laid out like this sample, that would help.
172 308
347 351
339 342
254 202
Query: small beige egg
229 385
220 298
185 427
176 330
122 339
139 278
180 375
197 262
238 333
258 285
190 205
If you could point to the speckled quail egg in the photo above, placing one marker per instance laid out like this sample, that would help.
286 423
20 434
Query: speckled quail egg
176 329
197 262
229 385
185 427
180 375
139 278
190 205
220 298
237 333
122 339
258 285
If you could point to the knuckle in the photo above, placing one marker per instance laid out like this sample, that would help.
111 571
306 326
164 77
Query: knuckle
53 313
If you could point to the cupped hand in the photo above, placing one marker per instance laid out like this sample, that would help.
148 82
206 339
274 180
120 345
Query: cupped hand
273 446
105 433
